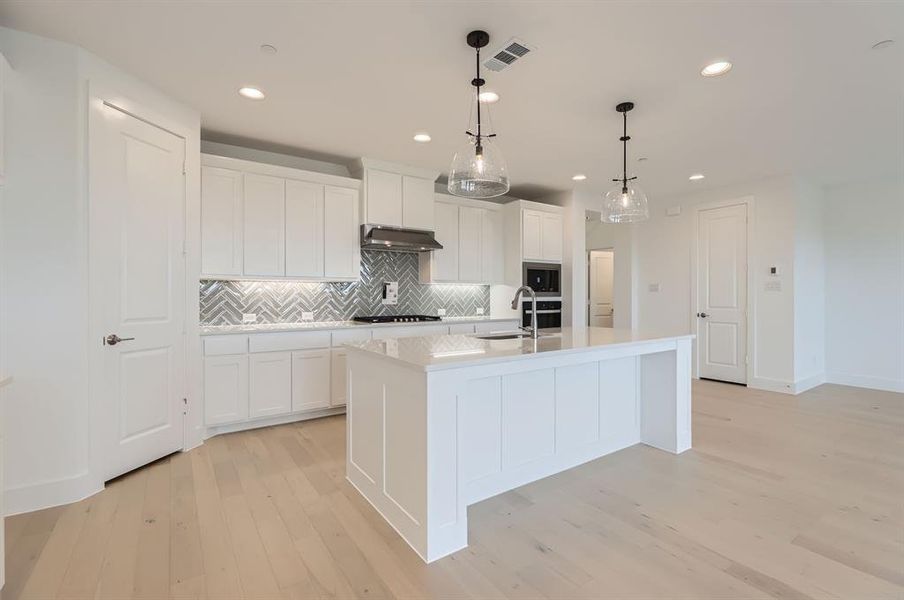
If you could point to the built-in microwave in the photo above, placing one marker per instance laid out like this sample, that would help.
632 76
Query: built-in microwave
544 278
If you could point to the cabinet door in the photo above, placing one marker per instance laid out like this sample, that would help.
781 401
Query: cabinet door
531 249
221 221
417 203
338 383
270 384
384 198
470 256
304 229
445 261
551 237
265 225
225 389
310 379
342 256
492 247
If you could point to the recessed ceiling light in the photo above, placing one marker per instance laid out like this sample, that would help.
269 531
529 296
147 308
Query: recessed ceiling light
883 44
720 67
252 93
422 137
696 176
488 97
579 177
268 49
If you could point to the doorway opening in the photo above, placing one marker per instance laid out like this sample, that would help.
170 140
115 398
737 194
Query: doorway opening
600 287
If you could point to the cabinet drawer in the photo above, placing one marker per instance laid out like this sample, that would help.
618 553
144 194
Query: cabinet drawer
220 345
461 328
279 342
345 336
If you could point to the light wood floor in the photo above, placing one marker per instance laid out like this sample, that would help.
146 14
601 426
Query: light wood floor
784 497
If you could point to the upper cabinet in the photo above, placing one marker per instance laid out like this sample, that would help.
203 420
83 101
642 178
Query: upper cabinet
471 233
533 233
260 220
396 195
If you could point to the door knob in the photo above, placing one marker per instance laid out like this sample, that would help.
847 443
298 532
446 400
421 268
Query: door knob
702 315
113 339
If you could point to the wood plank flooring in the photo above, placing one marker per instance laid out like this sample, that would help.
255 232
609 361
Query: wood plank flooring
781 497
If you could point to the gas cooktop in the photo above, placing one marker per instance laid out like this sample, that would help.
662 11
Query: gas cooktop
397 319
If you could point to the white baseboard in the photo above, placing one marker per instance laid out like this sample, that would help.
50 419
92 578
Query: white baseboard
865 381
771 385
270 421
808 383
46 494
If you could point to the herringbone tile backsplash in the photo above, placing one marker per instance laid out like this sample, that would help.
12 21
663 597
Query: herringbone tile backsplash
224 302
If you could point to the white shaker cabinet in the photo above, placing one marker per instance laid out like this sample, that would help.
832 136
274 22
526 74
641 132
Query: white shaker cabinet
445 261
417 203
339 386
265 225
396 195
342 258
304 229
551 237
270 384
384 198
225 389
492 247
221 221
472 235
310 379
470 255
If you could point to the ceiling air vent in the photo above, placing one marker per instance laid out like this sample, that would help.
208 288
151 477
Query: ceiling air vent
511 52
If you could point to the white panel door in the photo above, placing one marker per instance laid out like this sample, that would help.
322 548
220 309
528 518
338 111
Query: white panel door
493 247
601 273
265 225
137 220
342 249
445 261
384 198
270 384
531 232
417 203
551 237
310 379
304 229
722 293
221 221
225 389
470 256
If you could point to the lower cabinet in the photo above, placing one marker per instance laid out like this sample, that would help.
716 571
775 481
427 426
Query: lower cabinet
270 384
310 379
337 375
225 389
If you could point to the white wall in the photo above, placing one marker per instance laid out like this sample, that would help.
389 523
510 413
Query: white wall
864 248
46 346
620 238
809 286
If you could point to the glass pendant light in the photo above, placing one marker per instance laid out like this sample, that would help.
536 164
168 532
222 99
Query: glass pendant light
626 202
478 169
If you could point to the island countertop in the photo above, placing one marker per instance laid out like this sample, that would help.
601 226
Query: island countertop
438 352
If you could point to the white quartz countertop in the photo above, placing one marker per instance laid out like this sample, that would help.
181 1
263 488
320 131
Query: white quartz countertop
454 351
325 325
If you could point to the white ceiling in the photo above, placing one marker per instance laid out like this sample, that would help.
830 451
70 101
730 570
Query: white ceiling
807 94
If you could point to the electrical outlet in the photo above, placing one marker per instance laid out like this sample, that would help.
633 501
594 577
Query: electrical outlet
480 310
307 316
440 312
249 317
773 286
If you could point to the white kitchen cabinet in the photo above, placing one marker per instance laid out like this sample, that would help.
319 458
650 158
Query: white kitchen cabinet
417 203
304 229
534 232
265 225
531 235
338 384
492 247
388 333
310 379
270 384
221 221
445 261
461 328
225 389
342 258
470 256
384 198
551 237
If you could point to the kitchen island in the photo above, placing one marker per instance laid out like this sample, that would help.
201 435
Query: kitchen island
438 423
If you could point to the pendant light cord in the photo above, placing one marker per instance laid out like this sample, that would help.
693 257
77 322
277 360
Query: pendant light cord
477 85
625 154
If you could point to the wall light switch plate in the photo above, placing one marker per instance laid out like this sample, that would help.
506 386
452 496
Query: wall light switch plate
480 310
249 317
673 211
390 292
307 316
440 312
653 287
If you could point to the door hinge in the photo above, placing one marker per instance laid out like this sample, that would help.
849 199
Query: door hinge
184 406
184 253
183 167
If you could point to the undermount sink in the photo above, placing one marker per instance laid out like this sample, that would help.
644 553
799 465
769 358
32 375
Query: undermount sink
505 335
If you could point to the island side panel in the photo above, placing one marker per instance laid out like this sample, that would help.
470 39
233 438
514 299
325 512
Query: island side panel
386 457
665 390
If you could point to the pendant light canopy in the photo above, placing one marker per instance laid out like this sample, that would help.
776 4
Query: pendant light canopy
626 202
478 168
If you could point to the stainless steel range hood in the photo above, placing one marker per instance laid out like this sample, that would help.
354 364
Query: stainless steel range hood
397 239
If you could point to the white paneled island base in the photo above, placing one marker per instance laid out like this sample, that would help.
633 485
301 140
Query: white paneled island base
438 423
